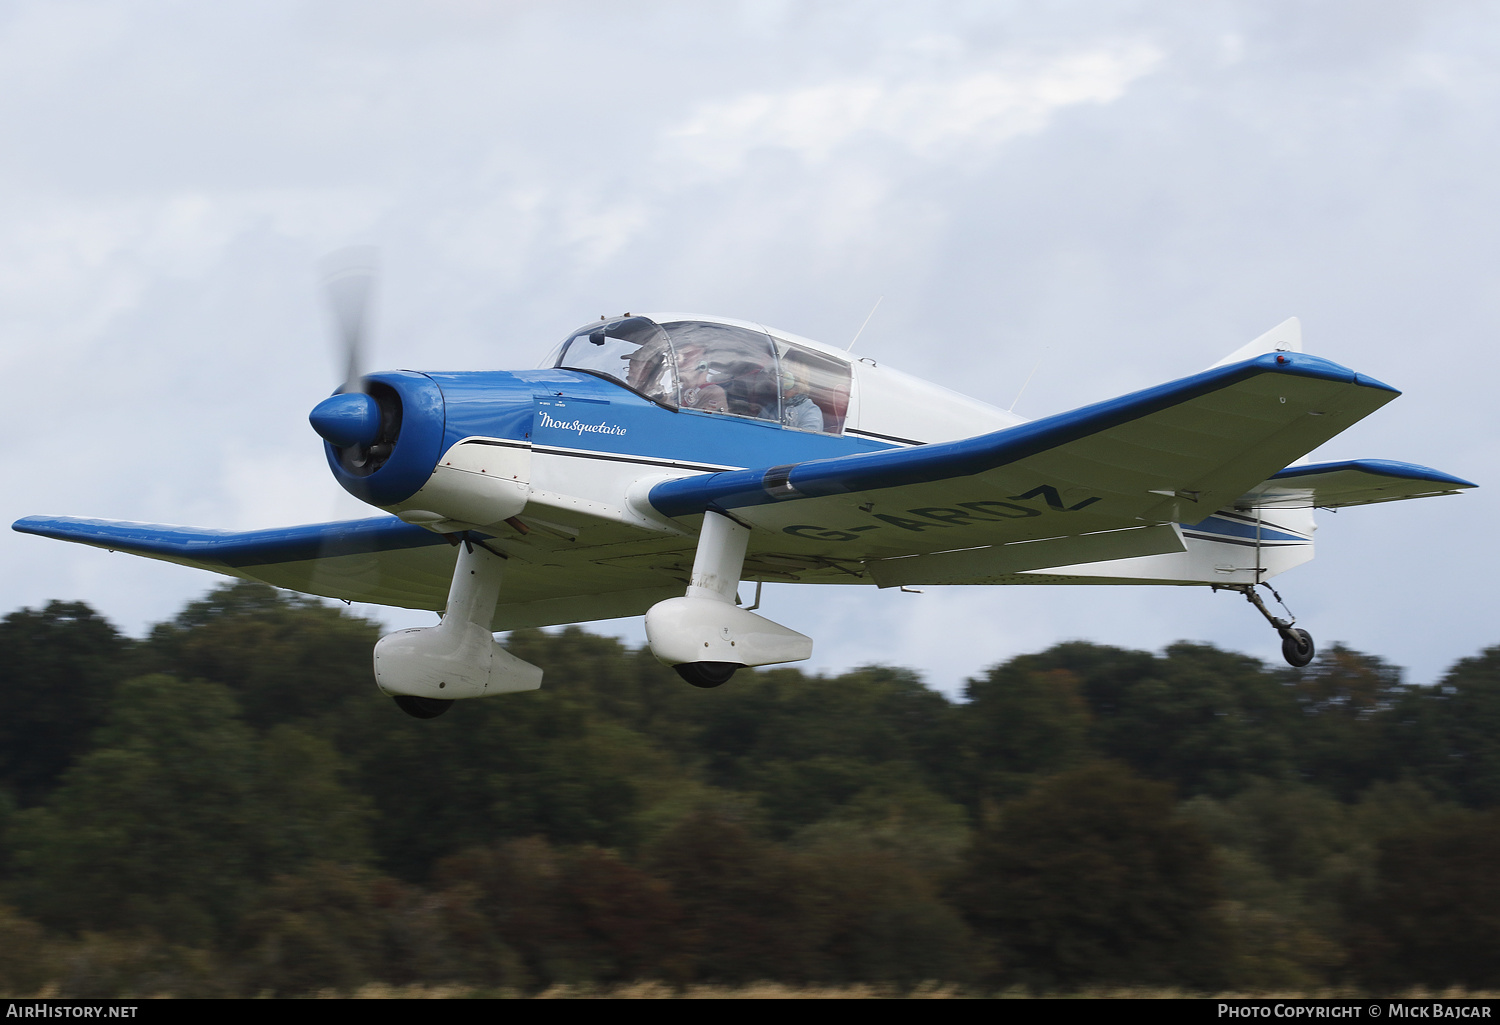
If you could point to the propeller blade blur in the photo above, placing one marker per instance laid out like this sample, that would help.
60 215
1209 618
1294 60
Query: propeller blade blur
349 281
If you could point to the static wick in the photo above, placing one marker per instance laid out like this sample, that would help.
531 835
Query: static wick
867 321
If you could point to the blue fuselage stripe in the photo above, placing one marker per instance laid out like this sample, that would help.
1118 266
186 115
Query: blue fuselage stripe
1229 528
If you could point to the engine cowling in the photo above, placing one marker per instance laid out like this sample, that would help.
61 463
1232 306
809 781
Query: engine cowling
383 442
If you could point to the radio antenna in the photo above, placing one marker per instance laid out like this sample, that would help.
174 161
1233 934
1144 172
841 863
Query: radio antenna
867 321
1029 376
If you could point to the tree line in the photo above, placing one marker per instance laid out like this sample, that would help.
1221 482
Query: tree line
228 807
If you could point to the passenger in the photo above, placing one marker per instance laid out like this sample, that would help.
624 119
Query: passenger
797 407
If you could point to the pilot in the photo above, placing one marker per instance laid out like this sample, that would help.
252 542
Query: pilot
797 407
649 371
695 376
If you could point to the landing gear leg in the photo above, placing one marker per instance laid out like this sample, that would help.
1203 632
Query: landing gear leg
426 669
1296 645
704 635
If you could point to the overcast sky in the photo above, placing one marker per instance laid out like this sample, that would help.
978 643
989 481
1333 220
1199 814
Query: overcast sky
1114 194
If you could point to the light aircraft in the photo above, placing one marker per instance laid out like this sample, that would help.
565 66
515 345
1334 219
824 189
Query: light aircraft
653 463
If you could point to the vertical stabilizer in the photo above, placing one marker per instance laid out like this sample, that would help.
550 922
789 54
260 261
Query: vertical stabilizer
1284 337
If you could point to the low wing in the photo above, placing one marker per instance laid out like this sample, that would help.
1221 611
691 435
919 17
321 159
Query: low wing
1357 482
381 560
1174 453
384 561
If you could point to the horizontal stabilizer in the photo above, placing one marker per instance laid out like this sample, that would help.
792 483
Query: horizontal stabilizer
1356 482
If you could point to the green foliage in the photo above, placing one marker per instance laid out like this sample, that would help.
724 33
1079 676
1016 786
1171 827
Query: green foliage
169 822
24 957
907 821
1289 829
878 914
1023 723
232 807
529 915
627 686
57 670
743 899
1344 741
531 764
1292 856
307 809
284 658
1287 850
1206 720
1432 915
1470 715
1092 879
148 829
320 929
807 746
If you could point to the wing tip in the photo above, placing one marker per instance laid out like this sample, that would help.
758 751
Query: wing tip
45 526
1302 364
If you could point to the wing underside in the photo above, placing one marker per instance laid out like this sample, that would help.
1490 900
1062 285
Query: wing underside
384 561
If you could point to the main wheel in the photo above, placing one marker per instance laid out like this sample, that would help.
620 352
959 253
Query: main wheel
422 708
707 674
1297 647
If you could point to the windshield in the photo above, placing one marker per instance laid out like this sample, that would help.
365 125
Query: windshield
632 350
717 368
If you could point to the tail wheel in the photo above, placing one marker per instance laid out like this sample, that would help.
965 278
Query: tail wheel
422 708
1297 647
707 674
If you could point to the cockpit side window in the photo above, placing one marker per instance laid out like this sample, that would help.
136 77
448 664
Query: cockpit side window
726 369
814 389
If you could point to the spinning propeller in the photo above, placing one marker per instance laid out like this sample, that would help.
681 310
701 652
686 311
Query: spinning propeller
354 420
349 280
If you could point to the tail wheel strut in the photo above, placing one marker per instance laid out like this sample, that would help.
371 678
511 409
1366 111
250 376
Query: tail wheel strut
1296 645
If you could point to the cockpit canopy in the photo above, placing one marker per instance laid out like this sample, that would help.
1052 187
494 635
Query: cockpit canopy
719 368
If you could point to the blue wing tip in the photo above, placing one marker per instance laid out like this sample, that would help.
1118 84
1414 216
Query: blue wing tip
1308 365
42 525
206 545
